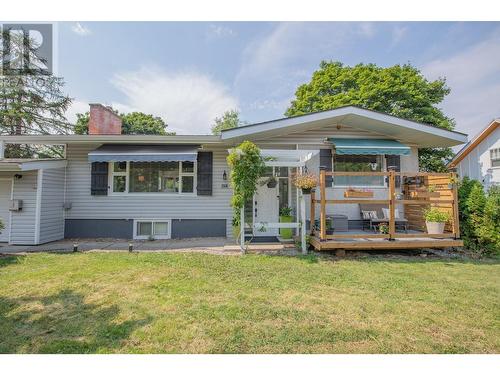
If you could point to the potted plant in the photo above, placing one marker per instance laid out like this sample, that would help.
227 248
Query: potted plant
383 228
306 182
286 217
435 220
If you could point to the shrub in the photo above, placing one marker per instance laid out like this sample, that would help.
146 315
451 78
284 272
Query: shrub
433 215
479 215
247 166
489 230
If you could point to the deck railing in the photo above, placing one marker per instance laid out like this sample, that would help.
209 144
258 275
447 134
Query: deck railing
418 191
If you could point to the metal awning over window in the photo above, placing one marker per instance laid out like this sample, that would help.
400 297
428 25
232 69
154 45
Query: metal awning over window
112 152
353 146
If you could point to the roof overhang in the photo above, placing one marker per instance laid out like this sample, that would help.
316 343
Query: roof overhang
380 124
131 139
22 165
473 143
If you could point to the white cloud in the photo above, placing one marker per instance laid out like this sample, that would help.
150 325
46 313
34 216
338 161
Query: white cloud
269 63
398 33
77 106
474 78
81 30
187 101
219 31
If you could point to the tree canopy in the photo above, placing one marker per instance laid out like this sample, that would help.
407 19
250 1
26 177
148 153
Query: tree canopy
31 101
229 119
399 90
132 123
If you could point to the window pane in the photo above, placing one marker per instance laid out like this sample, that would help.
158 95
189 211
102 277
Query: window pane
268 172
161 228
154 177
188 166
144 228
120 167
119 184
358 163
187 184
282 172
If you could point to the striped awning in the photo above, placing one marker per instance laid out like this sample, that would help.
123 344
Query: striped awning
356 146
145 153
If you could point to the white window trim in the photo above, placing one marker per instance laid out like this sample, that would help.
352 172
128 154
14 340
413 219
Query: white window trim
111 175
152 221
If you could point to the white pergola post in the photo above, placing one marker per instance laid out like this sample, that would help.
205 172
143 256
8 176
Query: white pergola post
2 150
242 229
303 228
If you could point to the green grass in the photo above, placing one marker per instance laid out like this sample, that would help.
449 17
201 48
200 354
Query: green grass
199 303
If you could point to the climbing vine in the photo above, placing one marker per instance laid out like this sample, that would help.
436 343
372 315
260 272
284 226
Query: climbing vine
247 166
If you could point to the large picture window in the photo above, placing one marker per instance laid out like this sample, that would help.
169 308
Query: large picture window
152 177
358 163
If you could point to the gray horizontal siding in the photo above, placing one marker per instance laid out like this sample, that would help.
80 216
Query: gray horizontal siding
51 210
22 231
86 206
102 228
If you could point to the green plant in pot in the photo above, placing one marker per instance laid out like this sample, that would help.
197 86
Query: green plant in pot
435 220
286 217
383 228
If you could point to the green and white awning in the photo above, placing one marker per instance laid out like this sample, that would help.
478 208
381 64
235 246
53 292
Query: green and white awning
356 146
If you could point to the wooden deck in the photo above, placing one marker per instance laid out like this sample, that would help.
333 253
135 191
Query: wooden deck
418 191
384 244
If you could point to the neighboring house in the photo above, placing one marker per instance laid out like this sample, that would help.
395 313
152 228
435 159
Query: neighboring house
141 186
480 158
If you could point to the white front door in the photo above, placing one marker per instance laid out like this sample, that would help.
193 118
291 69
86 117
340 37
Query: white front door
266 202
5 191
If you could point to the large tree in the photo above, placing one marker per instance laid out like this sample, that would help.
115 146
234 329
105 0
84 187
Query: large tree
31 100
400 90
132 123
229 119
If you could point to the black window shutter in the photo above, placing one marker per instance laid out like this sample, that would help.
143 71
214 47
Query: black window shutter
204 173
325 163
394 161
99 179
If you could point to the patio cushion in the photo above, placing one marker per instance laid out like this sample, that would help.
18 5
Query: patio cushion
367 215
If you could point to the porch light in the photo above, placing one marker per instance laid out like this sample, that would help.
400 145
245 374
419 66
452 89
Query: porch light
224 176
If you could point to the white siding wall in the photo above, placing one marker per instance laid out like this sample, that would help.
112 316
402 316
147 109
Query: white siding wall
86 206
22 230
477 164
51 210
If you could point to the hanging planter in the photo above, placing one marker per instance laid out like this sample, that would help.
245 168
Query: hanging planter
272 182
306 182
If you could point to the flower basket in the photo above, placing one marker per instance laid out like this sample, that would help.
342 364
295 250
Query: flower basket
306 182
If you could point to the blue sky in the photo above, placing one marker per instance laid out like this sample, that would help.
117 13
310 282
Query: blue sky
190 72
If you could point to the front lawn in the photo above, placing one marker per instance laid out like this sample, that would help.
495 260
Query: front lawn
200 303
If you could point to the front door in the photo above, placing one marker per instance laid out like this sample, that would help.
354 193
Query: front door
5 191
266 202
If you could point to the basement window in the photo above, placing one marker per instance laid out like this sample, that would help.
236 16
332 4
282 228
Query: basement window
157 229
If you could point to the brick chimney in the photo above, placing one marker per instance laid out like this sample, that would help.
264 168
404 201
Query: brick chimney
104 121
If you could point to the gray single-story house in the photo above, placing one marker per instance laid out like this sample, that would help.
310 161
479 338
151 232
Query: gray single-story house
177 186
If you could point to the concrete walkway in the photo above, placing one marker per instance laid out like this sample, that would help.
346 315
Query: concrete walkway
215 245
192 244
